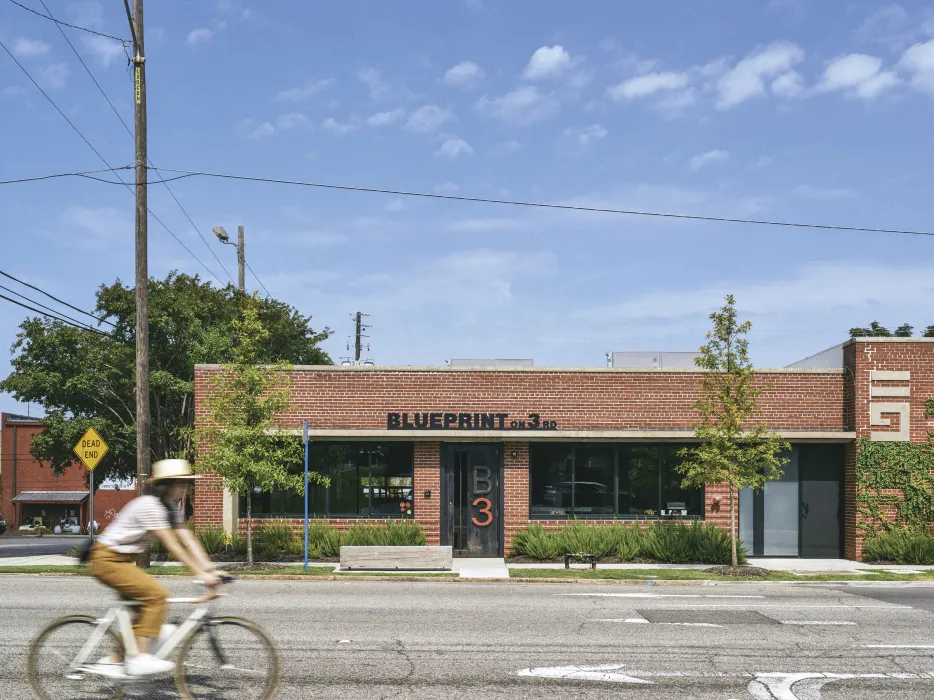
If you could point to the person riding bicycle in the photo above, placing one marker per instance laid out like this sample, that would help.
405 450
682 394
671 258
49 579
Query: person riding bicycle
112 558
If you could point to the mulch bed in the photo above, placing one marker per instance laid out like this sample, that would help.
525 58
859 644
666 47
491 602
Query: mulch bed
739 571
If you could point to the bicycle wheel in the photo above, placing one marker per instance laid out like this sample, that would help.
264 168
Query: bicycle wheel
52 652
228 658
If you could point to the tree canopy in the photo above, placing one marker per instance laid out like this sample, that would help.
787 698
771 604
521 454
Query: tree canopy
82 378
876 330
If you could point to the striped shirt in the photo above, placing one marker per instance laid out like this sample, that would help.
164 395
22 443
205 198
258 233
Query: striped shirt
130 532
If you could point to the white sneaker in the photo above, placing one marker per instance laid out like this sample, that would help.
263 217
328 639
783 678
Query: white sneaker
148 665
106 667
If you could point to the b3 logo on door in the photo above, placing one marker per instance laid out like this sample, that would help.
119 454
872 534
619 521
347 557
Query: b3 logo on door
482 485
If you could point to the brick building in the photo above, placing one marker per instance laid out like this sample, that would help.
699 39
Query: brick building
32 490
476 453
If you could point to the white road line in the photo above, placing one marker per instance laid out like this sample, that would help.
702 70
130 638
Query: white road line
898 646
817 622
643 621
651 595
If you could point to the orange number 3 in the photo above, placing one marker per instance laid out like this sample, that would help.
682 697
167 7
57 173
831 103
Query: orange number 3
485 510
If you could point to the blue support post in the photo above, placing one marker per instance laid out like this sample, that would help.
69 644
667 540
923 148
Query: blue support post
306 495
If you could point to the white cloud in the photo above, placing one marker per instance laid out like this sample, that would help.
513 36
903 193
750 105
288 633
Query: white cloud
11 91
506 148
373 79
101 227
454 147
446 188
337 128
919 61
261 130
303 92
788 85
284 122
465 74
428 118
395 205
199 36
548 62
291 121
588 134
645 85
523 106
53 76
746 80
386 118
709 158
27 48
822 193
103 49
857 75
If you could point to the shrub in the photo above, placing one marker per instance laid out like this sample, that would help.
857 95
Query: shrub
399 533
699 543
900 546
630 542
323 539
535 542
358 536
271 539
212 539
238 544
581 538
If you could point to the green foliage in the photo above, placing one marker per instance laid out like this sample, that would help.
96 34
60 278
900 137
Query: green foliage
732 449
212 539
630 543
274 538
581 538
875 330
697 543
900 546
238 544
399 533
82 378
535 542
905 467
323 538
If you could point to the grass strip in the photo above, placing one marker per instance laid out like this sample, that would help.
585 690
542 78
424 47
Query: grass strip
697 575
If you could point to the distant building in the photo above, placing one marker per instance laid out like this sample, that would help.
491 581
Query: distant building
653 359
32 490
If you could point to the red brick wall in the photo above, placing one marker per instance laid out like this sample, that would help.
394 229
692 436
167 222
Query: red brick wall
427 511
32 475
515 491
861 358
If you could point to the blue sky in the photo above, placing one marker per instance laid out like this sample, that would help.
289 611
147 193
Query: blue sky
789 109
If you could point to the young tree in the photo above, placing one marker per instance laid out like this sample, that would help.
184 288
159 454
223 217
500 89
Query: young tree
875 330
239 435
732 450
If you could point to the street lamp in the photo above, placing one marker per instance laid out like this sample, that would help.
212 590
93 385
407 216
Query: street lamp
241 255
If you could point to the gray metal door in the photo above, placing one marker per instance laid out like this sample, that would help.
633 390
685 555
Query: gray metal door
472 499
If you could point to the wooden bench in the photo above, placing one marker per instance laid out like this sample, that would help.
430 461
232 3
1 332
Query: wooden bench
396 558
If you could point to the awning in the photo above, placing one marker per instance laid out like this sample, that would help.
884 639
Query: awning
51 497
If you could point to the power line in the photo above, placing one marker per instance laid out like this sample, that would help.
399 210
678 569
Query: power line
47 308
53 316
64 303
257 279
128 131
73 26
546 205
111 182
104 160
83 173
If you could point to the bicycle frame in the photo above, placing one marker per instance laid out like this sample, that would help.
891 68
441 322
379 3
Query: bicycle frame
120 616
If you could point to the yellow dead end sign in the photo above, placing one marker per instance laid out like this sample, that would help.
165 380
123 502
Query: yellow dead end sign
91 449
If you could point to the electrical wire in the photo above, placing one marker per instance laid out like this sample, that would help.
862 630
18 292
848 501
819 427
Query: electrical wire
127 128
546 205
63 303
104 160
111 182
83 173
257 279
73 26
53 316
47 308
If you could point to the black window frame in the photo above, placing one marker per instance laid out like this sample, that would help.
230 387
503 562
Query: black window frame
277 498
620 479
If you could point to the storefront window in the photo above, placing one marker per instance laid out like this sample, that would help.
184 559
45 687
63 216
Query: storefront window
609 481
365 480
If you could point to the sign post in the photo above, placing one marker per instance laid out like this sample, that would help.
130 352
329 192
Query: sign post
306 495
91 449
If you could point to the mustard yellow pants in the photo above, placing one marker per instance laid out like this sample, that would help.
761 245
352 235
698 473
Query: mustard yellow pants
120 572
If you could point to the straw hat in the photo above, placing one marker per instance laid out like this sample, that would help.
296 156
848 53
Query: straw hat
166 469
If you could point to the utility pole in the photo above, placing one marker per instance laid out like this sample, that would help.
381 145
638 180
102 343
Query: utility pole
241 260
358 346
142 251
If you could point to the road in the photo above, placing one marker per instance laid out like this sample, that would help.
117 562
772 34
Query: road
18 546
394 640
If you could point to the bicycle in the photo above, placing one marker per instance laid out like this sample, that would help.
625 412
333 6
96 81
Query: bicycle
62 659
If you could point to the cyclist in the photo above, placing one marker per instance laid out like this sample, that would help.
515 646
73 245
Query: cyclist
112 560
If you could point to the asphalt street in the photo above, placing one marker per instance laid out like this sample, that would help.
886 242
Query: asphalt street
18 546
392 640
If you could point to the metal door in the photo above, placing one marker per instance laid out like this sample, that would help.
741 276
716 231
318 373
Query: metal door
472 499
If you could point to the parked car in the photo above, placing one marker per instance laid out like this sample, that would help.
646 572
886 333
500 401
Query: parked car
2 525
